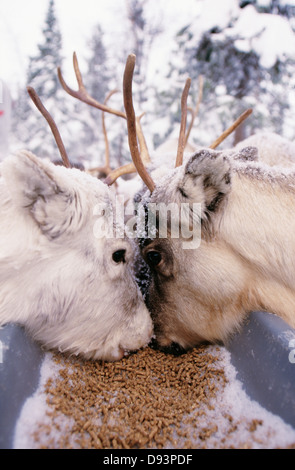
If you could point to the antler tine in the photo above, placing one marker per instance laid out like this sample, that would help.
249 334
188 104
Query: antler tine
130 167
106 169
131 123
36 100
228 131
78 73
82 94
144 153
122 170
107 148
181 139
196 110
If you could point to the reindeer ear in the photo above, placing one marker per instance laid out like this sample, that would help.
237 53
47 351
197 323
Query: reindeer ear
28 178
35 186
207 180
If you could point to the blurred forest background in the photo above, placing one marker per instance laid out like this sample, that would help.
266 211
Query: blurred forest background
245 51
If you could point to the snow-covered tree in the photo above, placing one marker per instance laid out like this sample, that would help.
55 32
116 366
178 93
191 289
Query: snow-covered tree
144 29
100 79
98 75
245 51
31 129
105 73
138 29
42 67
96 80
271 6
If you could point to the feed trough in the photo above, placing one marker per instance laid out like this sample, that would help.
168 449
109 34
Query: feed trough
262 354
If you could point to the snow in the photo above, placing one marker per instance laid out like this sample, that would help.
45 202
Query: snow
35 407
234 401
283 2
271 36
265 3
21 29
218 14
272 431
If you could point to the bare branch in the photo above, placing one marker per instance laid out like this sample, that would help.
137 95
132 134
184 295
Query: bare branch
181 139
36 100
228 131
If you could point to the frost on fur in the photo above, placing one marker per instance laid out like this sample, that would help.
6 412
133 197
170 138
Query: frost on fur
57 279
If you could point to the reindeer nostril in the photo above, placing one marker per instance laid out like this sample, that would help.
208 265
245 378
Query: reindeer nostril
154 344
119 256
175 349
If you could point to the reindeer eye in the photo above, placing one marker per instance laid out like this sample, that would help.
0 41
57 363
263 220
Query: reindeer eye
154 257
119 256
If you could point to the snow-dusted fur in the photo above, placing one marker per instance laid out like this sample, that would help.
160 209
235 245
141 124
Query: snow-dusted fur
246 257
272 149
57 278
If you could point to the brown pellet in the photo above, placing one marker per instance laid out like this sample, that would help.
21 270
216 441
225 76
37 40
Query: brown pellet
147 400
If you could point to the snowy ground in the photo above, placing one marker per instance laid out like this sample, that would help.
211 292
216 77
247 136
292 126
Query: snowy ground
229 420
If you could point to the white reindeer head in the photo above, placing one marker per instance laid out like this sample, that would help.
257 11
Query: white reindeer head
71 290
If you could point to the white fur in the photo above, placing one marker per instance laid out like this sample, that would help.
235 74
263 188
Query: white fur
273 149
57 279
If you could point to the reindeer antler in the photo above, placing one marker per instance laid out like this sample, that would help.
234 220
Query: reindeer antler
181 139
130 167
82 95
228 131
107 147
106 169
131 123
194 112
36 100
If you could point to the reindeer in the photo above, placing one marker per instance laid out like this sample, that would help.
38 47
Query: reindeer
246 256
272 148
71 286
